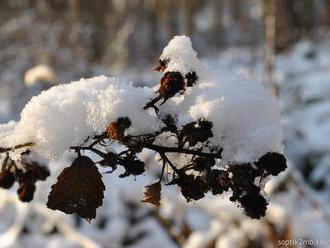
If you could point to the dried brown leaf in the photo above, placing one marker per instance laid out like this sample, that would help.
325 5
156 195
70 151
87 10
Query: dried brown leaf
79 189
152 194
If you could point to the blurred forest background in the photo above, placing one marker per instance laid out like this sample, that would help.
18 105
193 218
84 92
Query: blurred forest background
125 33
282 43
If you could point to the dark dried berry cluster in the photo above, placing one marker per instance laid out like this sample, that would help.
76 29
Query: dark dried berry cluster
117 128
191 78
162 64
202 163
201 174
171 83
192 187
197 131
26 177
272 162
218 181
244 176
7 179
240 178
132 166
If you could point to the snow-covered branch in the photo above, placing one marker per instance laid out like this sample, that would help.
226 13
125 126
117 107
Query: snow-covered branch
212 136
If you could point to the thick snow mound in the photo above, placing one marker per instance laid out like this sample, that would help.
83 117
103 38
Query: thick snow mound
181 56
245 116
246 120
66 115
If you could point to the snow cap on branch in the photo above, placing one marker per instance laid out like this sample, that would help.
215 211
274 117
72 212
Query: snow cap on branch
181 56
245 117
66 115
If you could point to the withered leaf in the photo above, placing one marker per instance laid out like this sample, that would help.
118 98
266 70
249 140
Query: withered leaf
152 194
79 189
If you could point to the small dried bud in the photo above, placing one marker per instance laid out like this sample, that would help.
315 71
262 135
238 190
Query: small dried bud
133 167
203 163
7 179
272 162
26 192
36 171
170 123
170 84
199 131
116 129
110 160
191 78
192 188
162 65
219 181
137 167
254 205
115 132
124 122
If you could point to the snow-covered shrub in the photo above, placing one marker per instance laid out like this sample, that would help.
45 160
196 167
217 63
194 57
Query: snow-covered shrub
208 135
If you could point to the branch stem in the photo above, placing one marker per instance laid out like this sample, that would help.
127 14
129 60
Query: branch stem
164 149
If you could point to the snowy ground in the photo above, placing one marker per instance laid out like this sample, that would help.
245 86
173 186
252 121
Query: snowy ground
299 206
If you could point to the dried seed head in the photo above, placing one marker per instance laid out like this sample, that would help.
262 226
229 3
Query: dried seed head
116 129
170 123
7 179
191 78
162 65
124 122
192 188
272 162
36 171
26 191
195 132
203 163
132 166
170 84
254 206
110 160
219 181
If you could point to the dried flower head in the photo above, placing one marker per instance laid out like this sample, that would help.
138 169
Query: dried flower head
26 191
195 132
162 65
272 162
7 179
192 187
171 84
191 78
116 129
132 166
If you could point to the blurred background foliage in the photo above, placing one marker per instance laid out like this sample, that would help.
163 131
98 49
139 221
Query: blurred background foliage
121 33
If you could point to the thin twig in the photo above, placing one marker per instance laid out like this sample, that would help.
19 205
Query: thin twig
165 158
20 146
164 149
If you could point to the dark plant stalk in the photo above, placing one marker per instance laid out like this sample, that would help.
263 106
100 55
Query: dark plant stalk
8 149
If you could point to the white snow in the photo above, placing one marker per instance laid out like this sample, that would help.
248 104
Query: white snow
181 56
66 115
245 117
